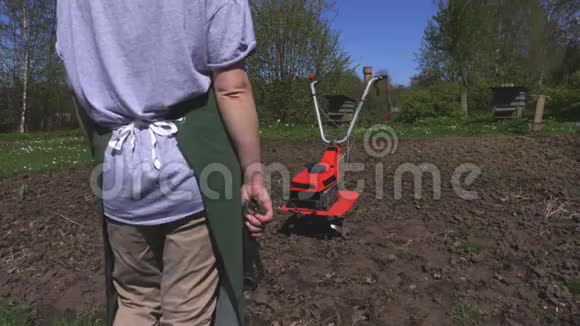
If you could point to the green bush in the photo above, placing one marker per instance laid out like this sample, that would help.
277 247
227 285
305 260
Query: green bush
429 102
574 81
290 101
480 99
563 103
283 102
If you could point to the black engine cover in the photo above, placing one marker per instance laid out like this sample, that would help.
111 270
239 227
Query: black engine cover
314 200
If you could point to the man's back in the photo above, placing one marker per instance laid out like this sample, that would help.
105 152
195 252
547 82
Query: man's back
140 57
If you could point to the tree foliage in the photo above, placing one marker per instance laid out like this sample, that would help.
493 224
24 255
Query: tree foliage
481 43
456 41
456 45
295 39
31 75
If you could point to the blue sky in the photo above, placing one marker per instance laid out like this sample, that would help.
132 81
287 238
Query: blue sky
383 33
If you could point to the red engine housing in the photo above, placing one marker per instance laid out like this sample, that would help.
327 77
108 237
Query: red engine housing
314 190
318 177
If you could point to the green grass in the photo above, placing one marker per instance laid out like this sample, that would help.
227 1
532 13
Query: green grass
573 285
40 135
426 201
437 128
553 157
47 151
463 314
15 315
569 152
468 222
545 314
464 231
41 152
472 247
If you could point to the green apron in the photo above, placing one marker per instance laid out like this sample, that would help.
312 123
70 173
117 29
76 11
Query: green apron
204 142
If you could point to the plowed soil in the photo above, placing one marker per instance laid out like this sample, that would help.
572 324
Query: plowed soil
508 257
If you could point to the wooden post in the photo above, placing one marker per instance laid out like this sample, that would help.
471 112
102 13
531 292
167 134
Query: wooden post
539 119
368 74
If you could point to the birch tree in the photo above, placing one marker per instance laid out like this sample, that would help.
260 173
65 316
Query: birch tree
27 37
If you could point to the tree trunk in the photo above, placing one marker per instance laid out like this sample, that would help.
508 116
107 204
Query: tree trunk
22 126
389 99
464 99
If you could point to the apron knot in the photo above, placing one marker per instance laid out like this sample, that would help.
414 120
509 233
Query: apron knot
156 129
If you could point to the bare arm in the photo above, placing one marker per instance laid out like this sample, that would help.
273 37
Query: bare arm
236 104
238 110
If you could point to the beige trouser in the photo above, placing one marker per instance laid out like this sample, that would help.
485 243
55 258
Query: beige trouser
164 275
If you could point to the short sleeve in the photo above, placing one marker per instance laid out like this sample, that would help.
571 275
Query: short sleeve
230 37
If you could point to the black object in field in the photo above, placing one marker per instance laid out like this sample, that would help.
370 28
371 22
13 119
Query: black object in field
255 206
253 268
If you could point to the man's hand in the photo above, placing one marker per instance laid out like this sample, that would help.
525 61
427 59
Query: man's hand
257 205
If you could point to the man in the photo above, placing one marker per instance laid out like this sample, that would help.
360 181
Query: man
179 155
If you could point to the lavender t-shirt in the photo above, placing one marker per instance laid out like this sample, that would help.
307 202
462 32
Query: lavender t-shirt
127 62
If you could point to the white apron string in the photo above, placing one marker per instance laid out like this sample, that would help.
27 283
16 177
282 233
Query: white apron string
158 128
